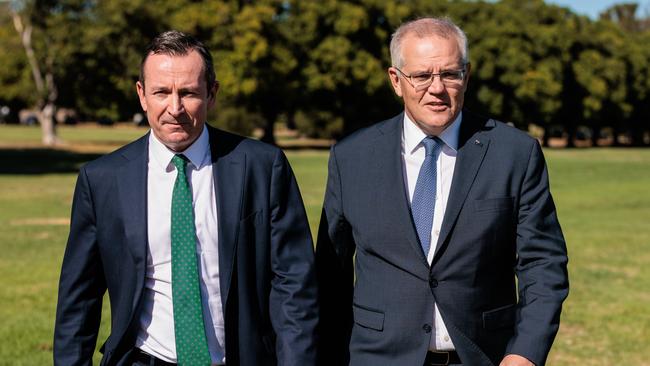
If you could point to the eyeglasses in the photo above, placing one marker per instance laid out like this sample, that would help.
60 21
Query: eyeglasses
422 80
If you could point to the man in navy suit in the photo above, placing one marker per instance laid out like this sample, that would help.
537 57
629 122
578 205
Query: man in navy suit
246 258
460 258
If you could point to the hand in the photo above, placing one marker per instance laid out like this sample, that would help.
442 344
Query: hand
515 360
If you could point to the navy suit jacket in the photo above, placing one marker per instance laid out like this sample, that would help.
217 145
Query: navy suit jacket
500 223
267 278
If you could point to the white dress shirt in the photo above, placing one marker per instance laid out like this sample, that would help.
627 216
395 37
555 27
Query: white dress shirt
156 331
413 155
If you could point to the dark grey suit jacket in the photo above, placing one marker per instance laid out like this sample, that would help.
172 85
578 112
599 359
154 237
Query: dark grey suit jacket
500 222
267 280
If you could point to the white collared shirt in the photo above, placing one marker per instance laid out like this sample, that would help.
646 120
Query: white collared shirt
413 155
156 331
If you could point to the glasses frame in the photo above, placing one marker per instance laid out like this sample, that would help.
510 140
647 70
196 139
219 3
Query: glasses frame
433 75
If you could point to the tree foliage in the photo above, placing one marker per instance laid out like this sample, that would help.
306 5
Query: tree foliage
320 66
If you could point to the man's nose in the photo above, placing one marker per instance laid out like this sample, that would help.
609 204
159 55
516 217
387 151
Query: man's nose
175 107
436 86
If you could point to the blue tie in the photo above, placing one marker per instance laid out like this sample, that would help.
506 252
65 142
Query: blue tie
424 197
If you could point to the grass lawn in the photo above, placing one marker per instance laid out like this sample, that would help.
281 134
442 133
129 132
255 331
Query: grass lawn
603 199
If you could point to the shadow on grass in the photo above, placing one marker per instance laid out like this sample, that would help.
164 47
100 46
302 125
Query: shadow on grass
41 160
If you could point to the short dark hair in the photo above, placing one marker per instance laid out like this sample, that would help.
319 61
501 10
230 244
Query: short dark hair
175 43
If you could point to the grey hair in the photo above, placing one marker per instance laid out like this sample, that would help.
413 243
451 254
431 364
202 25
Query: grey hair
424 27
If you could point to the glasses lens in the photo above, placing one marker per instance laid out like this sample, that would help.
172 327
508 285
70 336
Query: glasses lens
424 86
451 77
422 81
421 78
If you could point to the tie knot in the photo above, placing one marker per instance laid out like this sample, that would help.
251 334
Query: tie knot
431 144
180 161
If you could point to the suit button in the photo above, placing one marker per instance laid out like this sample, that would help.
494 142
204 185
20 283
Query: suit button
433 282
426 328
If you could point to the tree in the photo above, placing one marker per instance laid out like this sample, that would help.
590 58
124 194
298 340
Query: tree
42 73
638 81
634 55
343 52
100 84
15 78
321 66
256 66
624 15
517 52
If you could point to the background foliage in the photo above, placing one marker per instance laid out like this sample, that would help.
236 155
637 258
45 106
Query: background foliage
319 66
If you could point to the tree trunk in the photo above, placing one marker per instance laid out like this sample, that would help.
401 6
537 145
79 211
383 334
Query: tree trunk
47 93
595 135
269 123
617 133
545 137
291 120
571 136
48 127
636 134
269 134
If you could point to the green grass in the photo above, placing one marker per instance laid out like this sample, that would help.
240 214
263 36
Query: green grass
32 247
310 168
85 133
603 200
602 195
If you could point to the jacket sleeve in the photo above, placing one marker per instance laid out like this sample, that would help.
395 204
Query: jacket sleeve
541 267
293 299
81 285
334 265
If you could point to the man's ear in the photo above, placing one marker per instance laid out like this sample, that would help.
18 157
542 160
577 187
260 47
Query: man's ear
212 94
393 75
143 101
468 69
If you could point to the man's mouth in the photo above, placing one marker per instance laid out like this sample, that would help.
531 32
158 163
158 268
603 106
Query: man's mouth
437 106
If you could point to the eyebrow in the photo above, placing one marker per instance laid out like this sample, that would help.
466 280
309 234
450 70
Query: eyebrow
190 88
442 69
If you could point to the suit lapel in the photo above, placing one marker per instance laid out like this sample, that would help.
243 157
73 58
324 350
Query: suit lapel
132 196
228 168
387 152
472 146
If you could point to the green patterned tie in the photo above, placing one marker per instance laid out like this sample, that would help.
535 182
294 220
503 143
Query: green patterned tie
191 343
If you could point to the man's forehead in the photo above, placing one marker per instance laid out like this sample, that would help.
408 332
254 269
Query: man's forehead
430 46
191 58
162 65
413 39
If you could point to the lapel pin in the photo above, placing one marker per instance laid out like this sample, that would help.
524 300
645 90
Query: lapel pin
477 142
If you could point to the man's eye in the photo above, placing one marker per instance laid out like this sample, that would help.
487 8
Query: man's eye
451 75
421 78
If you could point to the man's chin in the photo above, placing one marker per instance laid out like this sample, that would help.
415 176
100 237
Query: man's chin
434 126
177 141
173 128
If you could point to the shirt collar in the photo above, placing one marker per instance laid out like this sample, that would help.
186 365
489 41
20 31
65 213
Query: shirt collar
197 153
412 135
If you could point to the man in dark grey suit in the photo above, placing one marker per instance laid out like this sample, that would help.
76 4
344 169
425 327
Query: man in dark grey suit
199 236
449 214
